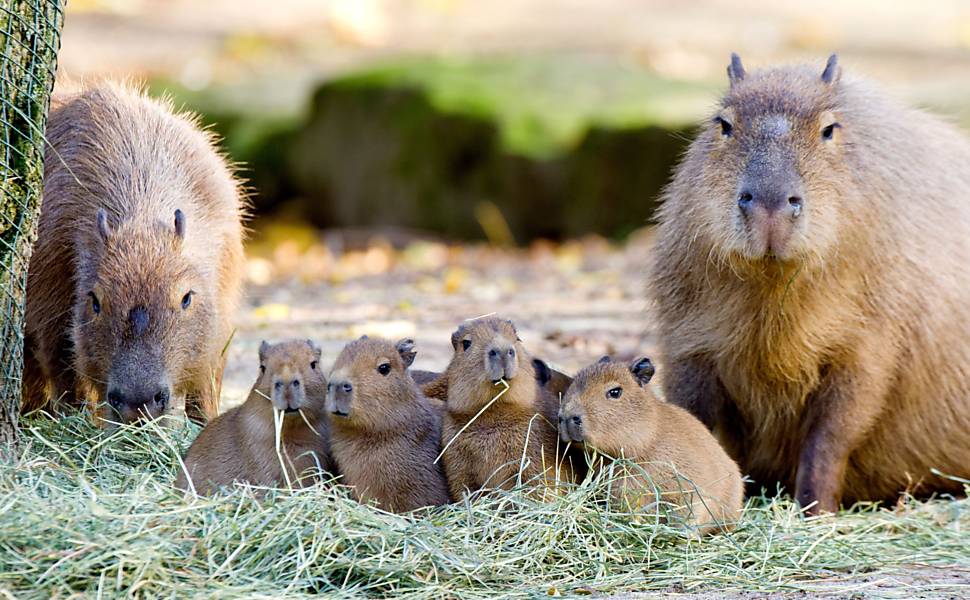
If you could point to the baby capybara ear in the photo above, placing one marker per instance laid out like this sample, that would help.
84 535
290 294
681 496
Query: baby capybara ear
406 349
179 224
314 348
103 228
263 350
604 359
457 335
642 370
543 372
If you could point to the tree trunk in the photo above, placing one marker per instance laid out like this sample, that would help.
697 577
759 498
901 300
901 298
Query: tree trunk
29 40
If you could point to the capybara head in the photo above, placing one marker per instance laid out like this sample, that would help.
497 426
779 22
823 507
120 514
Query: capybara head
290 377
605 405
767 168
369 387
143 316
486 351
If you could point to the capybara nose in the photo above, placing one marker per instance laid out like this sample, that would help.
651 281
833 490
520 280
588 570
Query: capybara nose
347 387
495 364
573 429
771 202
161 397
115 398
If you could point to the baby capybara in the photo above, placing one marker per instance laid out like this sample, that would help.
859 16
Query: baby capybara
241 445
514 440
812 280
610 409
137 267
385 434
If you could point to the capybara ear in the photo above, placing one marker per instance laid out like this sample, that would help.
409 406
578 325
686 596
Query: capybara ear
406 349
735 70
642 370
604 359
512 325
457 335
543 372
832 70
313 347
263 350
103 228
363 337
179 224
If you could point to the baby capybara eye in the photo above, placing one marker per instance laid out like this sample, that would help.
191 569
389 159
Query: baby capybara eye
262 368
829 131
615 393
313 365
187 300
278 385
95 303
466 344
726 127
384 369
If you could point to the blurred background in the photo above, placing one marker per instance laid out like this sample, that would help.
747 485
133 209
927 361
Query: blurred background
416 162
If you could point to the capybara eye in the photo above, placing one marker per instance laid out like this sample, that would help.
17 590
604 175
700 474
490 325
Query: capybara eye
296 383
95 303
384 368
726 127
615 393
187 300
829 131
466 344
278 385
313 365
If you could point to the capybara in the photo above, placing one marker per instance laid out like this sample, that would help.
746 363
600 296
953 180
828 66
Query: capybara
137 267
812 281
385 434
241 444
514 439
610 409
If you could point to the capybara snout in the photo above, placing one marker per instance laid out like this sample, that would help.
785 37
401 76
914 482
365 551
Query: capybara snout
340 396
769 206
501 361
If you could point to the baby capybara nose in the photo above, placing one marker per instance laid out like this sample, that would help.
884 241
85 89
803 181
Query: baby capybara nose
347 387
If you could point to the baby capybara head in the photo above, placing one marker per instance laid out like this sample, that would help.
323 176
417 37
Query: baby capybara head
486 351
767 170
290 377
369 387
605 405
143 315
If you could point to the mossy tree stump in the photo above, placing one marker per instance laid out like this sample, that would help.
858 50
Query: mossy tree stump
30 38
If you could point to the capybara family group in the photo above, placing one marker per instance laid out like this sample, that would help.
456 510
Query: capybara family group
811 279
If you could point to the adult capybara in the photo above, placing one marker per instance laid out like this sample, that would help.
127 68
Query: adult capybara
385 434
499 424
610 409
812 276
137 267
241 444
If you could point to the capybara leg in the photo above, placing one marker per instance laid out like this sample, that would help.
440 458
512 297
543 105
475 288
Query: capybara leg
694 384
33 392
839 415
202 400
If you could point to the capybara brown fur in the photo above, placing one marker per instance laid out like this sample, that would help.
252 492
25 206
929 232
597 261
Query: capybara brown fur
385 434
137 268
610 409
515 439
813 291
241 444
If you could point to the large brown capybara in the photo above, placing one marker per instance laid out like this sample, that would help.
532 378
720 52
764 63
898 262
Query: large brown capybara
610 409
137 268
812 280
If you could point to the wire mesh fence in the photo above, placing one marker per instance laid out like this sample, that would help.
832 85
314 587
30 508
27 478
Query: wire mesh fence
29 38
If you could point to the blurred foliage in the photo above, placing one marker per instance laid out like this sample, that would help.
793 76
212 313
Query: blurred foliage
505 147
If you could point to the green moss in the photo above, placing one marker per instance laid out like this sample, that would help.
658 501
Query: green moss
543 105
